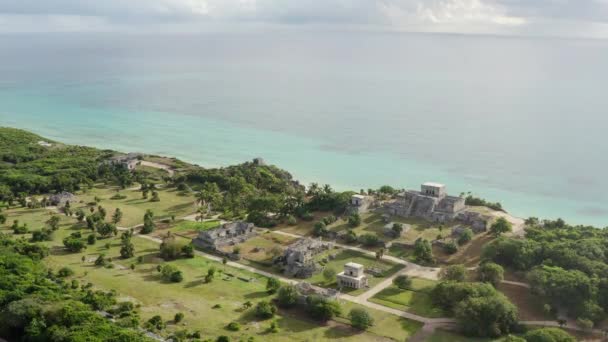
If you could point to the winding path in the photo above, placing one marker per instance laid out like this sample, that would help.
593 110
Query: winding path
411 269
158 166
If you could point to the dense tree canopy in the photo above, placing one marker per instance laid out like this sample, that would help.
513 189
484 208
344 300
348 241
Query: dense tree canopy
36 305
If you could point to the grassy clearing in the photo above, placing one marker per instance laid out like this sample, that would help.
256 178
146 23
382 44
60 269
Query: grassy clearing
416 300
468 255
372 223
346 256
134 206
190 226
304 228
199 301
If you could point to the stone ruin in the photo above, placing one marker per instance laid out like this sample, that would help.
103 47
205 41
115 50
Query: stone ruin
479 223
298 259
62 198
431 203
227 234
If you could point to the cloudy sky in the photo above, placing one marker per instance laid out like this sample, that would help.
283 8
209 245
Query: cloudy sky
561 18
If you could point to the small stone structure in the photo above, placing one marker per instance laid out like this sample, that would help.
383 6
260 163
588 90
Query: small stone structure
306 289
479 223
353 276
431 203
62 198
129 160
227 234
298 258
360 203
388 229
259 161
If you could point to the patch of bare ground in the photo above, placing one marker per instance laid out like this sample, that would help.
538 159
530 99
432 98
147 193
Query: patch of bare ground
469 254
530 306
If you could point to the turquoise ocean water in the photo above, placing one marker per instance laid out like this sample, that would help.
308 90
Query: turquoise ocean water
520 121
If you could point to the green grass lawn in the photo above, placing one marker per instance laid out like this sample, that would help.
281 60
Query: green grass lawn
190 226
444 336
134 206
345 256
197 299
417 302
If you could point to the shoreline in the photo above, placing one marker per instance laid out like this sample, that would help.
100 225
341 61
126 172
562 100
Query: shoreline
517 204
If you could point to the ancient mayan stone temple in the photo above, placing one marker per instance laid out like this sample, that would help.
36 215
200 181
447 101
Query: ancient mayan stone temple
431 203
225 235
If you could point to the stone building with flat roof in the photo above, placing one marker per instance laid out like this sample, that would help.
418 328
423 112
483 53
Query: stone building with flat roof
353 276
225 235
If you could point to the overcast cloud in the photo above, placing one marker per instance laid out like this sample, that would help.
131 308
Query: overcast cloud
580 18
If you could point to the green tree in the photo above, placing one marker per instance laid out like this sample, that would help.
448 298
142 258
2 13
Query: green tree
105 229
321 308
501 226
265 310
329 274
272 285
489 316
402 281
490 272
360 318
397 229
287 296
117 216
148 222
465 236
53 222
453 273
354 220
548 335
127 249
178 317
423 250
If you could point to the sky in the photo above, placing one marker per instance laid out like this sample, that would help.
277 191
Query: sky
555 18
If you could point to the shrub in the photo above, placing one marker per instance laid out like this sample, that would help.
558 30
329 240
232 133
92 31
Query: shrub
548 335
156 323
360 318
265 310
450 247
402 281
321 308
354 220
65 272
320 229
91 239
178 317
307 216
329 274
101 260
350 236
369 240
287 296
171 273
291 220
73 244
465 236
453 273
272 285
233 326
